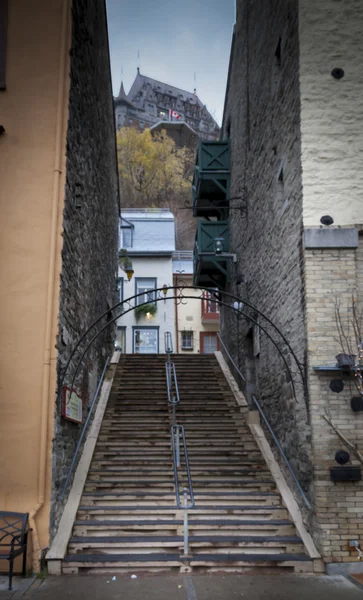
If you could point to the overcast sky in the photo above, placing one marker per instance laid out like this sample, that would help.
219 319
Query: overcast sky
175 39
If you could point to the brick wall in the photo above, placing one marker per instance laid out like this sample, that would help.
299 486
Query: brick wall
90 219
262 118
331 275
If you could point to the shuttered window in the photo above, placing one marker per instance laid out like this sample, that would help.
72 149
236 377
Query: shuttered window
3 35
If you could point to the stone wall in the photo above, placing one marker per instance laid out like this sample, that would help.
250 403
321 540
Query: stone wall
333 275
90 221
262 121
331 109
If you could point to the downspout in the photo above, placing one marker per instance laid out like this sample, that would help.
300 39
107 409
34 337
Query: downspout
176 318
51 287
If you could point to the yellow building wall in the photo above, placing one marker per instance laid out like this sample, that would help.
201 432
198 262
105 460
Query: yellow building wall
34 112
188 316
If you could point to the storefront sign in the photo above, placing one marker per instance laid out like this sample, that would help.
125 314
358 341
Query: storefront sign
72 405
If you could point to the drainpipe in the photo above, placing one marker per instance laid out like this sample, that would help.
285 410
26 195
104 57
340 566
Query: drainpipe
56 194
176 318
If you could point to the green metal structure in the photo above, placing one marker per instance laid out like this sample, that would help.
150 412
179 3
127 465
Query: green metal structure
211 269
211 193
211 180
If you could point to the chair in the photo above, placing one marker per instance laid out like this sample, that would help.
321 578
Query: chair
13 539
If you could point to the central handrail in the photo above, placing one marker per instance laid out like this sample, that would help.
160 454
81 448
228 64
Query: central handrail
177 432
283 455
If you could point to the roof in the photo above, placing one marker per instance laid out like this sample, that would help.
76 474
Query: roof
173 125
122 97
153 231
167 89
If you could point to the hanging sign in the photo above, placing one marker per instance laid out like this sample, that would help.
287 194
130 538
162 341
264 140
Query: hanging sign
72 405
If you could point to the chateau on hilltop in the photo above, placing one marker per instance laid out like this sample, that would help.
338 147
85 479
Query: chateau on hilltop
149 103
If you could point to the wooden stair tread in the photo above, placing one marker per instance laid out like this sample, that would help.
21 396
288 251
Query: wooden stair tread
247 522
163 556
293 539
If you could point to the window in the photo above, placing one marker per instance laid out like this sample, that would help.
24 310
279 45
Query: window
126 237
3 40
145 287
120 341
187 340
146 340
120 288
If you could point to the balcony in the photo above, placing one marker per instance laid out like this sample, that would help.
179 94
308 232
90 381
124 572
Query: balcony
211 269
211 180
210 309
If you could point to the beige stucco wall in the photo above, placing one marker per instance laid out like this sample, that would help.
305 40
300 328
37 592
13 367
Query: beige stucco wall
189 316
33 111
331 110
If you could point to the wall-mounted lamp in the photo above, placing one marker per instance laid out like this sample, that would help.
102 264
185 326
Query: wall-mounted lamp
239 306
129 272
218 245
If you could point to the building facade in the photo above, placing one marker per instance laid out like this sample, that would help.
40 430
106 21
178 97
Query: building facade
149 102
294 125
59 218
148 236
196 320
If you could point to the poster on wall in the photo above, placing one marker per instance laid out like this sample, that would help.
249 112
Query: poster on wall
72 405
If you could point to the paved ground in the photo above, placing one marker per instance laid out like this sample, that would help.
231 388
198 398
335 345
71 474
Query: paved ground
184 587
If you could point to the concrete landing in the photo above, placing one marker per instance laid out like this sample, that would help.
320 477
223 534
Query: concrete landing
191 587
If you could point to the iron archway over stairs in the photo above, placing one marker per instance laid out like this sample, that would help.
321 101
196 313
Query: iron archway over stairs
180 296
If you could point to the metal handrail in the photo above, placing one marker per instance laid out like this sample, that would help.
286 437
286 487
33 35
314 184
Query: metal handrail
168 342
177 432
283 455
85 425
171 381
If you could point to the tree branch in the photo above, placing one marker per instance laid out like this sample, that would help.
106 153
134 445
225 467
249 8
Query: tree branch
352 447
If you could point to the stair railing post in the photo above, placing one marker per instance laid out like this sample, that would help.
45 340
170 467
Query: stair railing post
186 533
177 443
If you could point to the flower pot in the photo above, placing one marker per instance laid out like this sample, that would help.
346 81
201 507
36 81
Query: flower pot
345 361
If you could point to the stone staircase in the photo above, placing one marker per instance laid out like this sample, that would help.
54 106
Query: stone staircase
127 519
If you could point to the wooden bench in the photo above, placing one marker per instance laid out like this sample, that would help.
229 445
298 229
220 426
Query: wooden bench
13 539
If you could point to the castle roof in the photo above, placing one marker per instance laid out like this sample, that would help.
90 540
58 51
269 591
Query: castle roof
122 97
142 81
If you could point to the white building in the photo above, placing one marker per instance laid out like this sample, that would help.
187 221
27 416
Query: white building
148 235
196 319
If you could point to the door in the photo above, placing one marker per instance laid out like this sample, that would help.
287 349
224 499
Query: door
146 340
209 343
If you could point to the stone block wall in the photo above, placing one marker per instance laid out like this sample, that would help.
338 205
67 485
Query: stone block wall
331 109
90 222
333 274
262 121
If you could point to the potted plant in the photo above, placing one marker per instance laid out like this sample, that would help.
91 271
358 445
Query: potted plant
125 263
145 310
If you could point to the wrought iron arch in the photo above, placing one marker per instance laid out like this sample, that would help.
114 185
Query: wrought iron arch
180 297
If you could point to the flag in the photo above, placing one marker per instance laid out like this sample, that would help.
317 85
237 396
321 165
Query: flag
174 114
